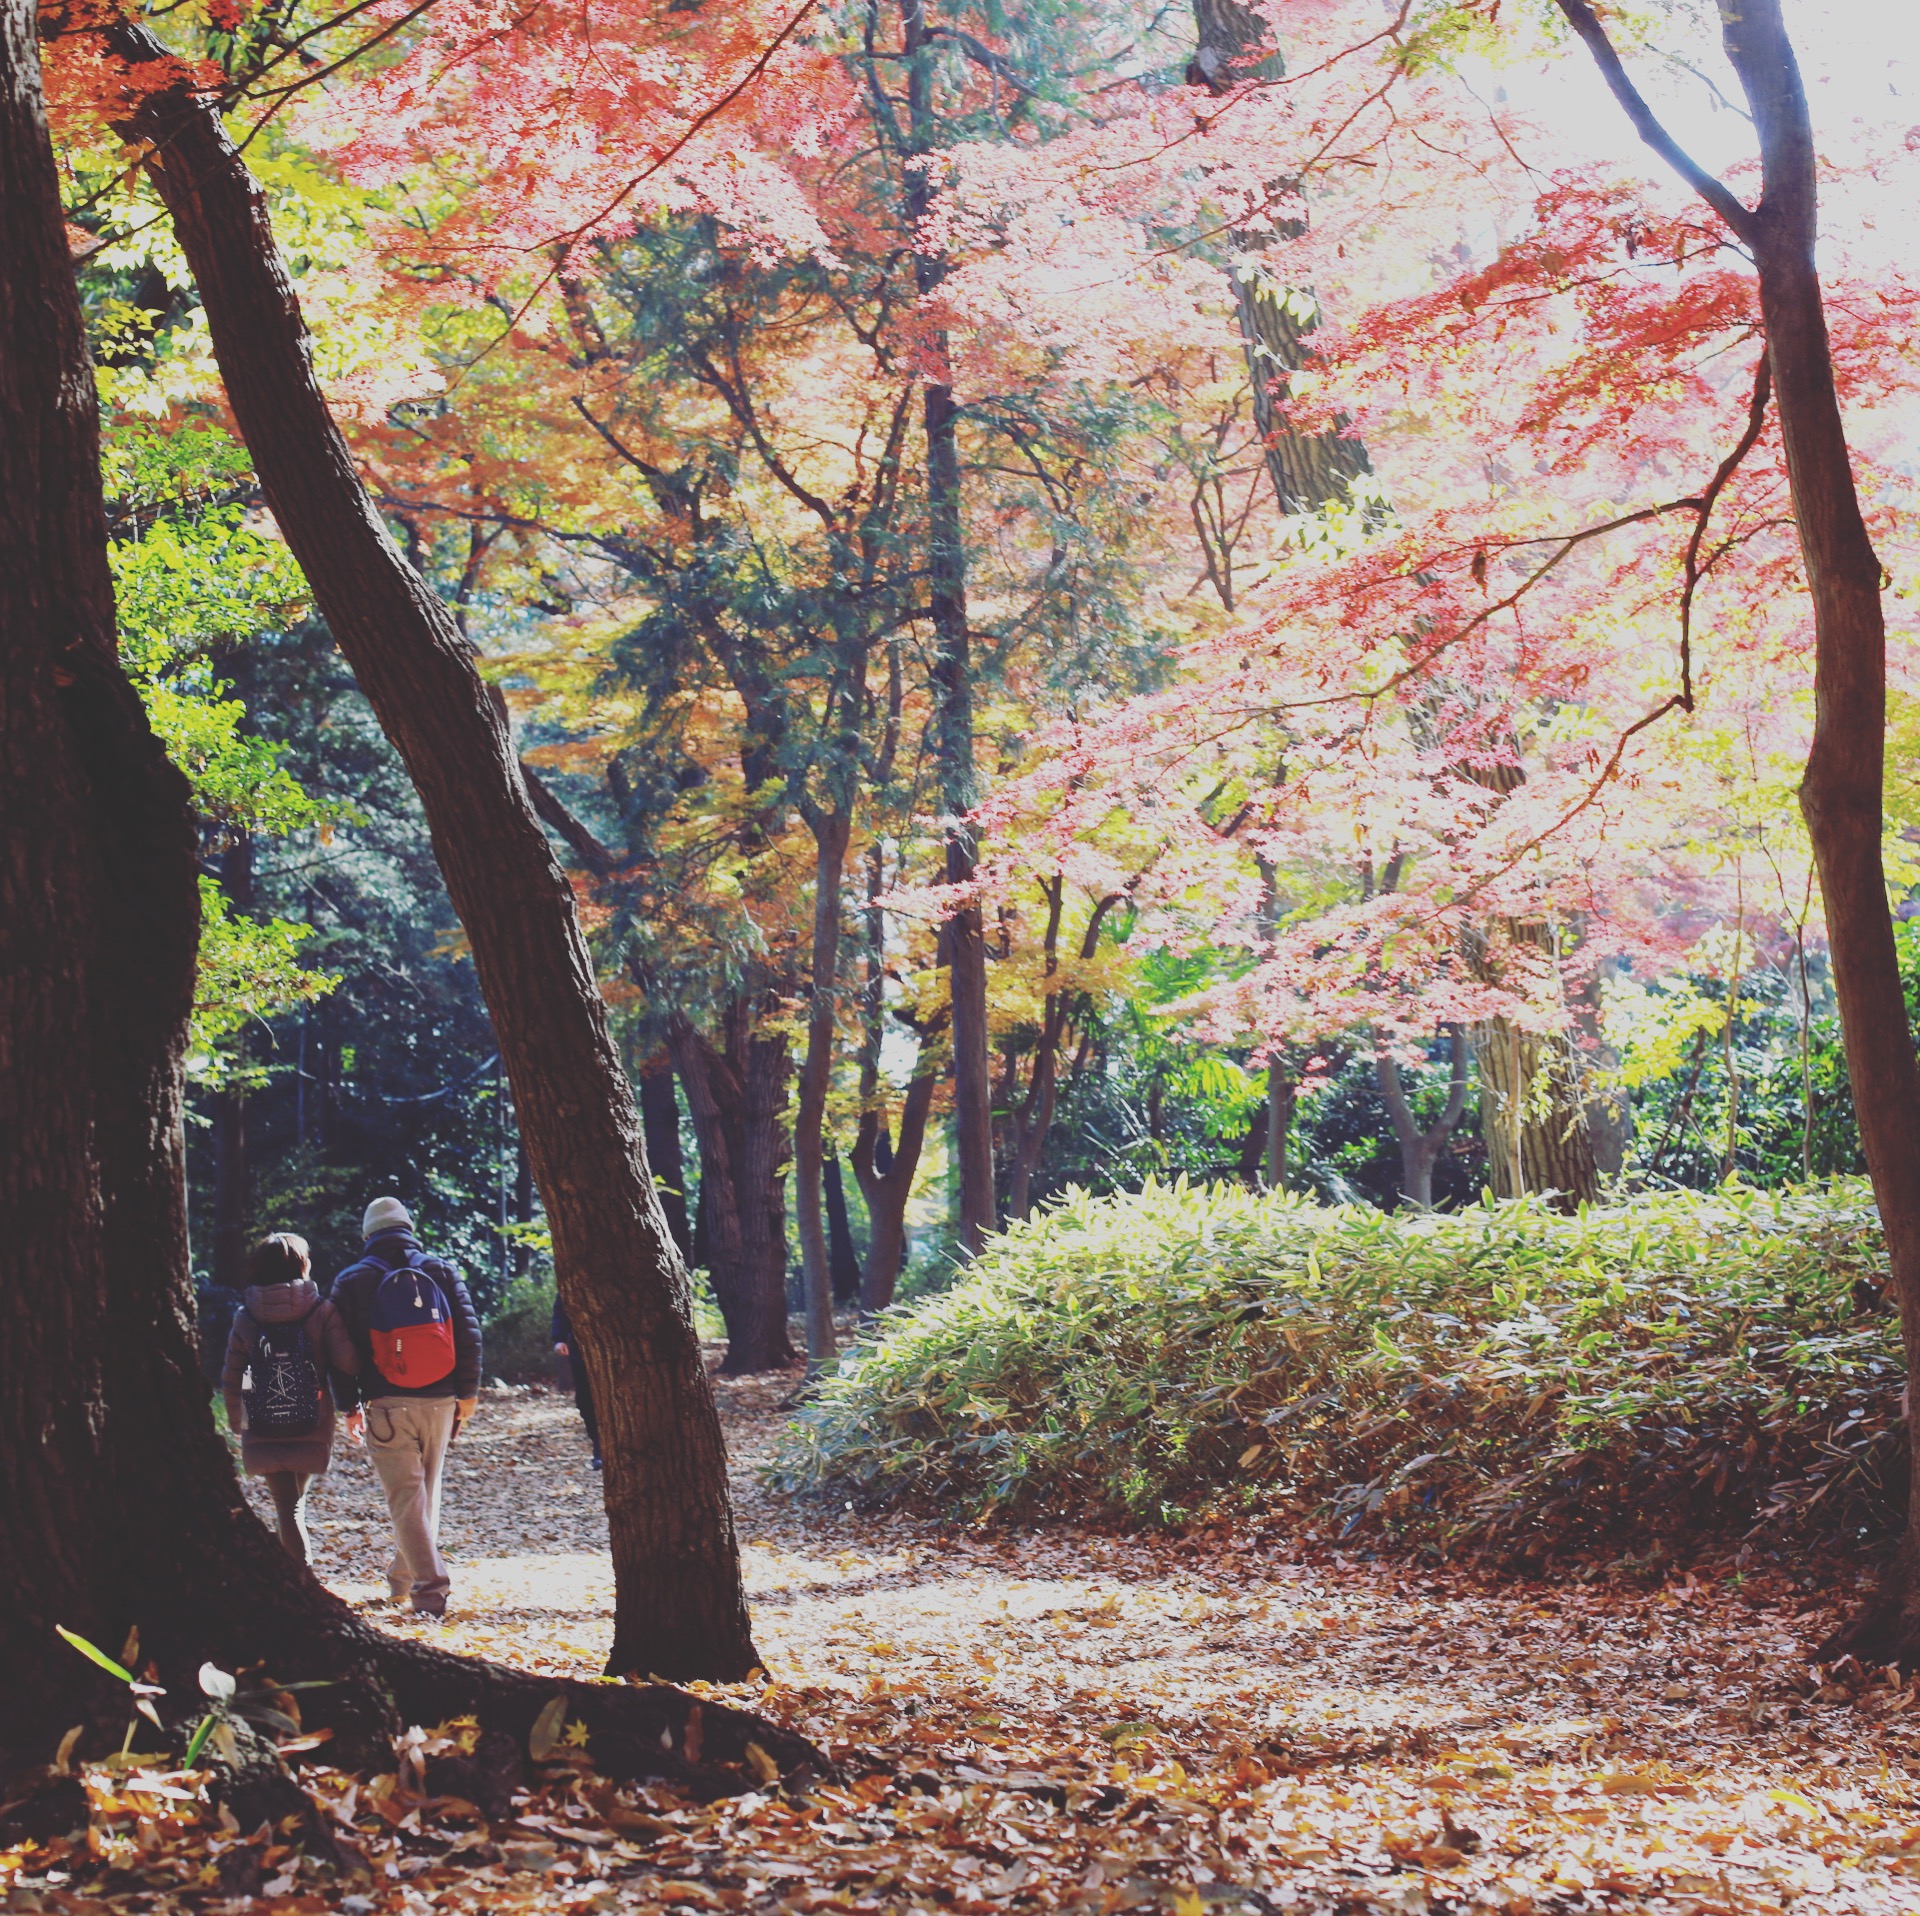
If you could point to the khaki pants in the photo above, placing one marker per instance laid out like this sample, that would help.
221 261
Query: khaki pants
408 1437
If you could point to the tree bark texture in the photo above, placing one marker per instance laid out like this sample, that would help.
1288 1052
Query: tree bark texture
680 1610
831 831
118 1502
1536 1110
1283 1093
1534 1115
736 1092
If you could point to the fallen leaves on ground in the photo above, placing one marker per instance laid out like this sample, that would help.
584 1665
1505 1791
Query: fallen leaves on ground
1052 1719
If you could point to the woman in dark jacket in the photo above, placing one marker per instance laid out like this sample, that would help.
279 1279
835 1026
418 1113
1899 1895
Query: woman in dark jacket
281 1291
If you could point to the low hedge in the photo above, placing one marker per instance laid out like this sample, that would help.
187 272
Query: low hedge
1646 1376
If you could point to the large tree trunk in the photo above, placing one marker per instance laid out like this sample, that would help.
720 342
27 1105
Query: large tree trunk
1536 1107
1535 1115
737 1093
1841 792
831 830
118 1503
680 1610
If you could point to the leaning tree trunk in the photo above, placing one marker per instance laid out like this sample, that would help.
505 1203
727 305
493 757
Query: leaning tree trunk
679 1607
1841 792
118 1503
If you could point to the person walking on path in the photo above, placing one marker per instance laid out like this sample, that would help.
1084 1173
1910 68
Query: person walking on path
417 1338
577 1370
288 1358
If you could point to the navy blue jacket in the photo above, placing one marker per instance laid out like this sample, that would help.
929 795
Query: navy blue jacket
352 1295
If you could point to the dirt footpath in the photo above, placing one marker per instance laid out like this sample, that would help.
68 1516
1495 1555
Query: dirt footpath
1051 1720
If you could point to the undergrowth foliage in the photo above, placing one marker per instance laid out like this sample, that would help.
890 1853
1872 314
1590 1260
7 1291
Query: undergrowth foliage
1672 1371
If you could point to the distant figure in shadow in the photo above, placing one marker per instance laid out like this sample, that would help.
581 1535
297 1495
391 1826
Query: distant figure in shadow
577 1369
288 1355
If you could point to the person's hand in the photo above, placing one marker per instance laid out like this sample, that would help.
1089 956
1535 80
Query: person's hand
560 1350
463 1410
355 1425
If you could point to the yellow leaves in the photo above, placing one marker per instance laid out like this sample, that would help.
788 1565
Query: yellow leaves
576 1736
1792 1799
763 1766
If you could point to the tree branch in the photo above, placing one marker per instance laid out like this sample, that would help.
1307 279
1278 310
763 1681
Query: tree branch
578 836
1739 217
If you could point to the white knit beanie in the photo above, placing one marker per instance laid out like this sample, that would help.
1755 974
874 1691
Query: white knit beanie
385 1214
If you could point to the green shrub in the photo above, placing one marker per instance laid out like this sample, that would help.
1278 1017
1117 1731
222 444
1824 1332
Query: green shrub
519 1335
1658 1372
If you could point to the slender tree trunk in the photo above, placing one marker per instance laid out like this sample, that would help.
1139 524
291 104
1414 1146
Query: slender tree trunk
830 834
887 1191
736 1092
660 1118
1283 1092
1420 1148
964 934
1841 792
680 1610
842 1253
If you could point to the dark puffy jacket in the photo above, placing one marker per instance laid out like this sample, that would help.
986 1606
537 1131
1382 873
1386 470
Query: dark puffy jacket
296 1303
352 1295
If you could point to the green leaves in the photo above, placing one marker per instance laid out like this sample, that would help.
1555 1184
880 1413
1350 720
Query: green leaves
94 1654
1504 1376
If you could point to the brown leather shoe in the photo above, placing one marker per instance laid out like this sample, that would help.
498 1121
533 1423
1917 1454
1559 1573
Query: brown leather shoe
430 1605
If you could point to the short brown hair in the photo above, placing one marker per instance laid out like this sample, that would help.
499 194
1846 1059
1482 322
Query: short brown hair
280 1258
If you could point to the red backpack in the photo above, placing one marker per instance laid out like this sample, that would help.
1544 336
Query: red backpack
410 1325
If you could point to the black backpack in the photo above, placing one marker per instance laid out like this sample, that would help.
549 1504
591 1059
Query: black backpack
282 1385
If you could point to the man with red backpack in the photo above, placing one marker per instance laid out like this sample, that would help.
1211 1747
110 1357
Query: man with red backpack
417 1337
